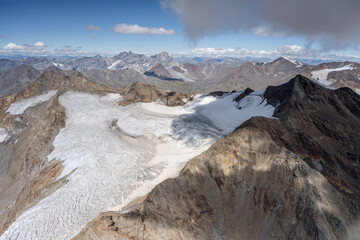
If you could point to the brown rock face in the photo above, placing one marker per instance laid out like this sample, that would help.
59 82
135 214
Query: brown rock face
292 177
139 92
320 125
26 176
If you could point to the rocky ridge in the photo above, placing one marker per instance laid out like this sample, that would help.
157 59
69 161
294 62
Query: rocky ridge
138 92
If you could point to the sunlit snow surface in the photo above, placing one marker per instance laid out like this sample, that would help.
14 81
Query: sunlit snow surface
20 106
114 154
321 75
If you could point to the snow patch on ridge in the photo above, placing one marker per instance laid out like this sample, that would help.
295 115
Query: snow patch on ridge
114 64
322 75
19 107
58 64
113 154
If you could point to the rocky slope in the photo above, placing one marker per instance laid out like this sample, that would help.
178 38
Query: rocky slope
16 79
159 71
139 92
123 77
255 76
295 176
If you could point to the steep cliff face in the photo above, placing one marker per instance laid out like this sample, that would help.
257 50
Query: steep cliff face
295 176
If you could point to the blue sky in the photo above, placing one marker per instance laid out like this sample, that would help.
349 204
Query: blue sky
61 27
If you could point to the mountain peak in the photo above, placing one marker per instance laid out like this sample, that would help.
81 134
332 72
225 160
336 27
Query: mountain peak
293 93
285 59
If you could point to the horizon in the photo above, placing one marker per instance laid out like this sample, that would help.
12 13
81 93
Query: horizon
88 28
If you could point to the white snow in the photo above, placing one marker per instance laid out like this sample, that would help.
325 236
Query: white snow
298 64
114 64
321 75
291 60
58 64
113 154
357 91
19 107
224 112
111 97
3 135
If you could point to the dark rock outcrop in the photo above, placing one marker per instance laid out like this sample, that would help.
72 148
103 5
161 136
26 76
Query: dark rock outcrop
138 92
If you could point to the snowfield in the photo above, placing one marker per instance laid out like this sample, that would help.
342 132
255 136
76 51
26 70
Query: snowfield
321 75
19 107
113 154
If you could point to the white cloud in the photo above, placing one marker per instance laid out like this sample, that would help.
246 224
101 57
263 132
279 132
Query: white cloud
136 29
13 46
35 45
91 28
230 52
39 44
294 51
37 48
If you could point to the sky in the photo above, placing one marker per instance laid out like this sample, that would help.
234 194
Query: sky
234 28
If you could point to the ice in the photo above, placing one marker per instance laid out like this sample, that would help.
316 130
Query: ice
321 75
112 154
19 107
3 135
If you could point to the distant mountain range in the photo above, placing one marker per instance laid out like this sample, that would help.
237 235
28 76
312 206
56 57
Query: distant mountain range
197 75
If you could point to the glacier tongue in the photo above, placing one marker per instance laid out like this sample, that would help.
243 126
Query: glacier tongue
114 154
19 107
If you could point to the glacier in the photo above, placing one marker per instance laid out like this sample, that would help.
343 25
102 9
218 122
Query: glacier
113 154
19 107
322 75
